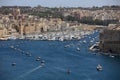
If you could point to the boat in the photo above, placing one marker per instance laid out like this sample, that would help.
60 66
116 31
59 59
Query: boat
91 41
42 61
11 46
38 58
78 49
111 56
84 41
14 64
61 39
99 67
67 46
28 54
94 47
42 64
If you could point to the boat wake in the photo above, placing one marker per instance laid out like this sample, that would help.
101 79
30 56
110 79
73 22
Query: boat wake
27 73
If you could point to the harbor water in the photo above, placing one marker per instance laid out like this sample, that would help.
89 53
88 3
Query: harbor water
55 60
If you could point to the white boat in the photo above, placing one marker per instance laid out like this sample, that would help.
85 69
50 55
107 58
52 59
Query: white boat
99 67
67 46
27 53
11 46
12 38
84 41
112 56
38 58
94 47
61 39
78 49
42 61
91 41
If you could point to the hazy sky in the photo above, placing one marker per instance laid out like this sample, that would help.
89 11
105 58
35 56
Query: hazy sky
59 3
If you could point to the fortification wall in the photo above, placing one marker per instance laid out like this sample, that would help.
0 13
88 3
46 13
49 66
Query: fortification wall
110 41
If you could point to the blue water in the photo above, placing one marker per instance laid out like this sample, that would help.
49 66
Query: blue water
58 59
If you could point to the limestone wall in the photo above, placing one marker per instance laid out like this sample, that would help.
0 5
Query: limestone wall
113 46
110 41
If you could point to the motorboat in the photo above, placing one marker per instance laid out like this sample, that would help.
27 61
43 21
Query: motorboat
111 56
78 49
84 41
42 61
42 64
14 64
67 46
99 67
28 54
38 58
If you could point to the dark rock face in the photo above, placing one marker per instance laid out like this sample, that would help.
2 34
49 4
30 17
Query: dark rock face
110 41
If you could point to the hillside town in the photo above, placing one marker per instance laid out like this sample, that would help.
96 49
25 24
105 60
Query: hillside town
43 23
59 39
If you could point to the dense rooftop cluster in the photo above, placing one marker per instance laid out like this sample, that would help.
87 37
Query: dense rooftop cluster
24 20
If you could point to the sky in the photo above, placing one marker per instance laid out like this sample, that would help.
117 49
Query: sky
59 3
